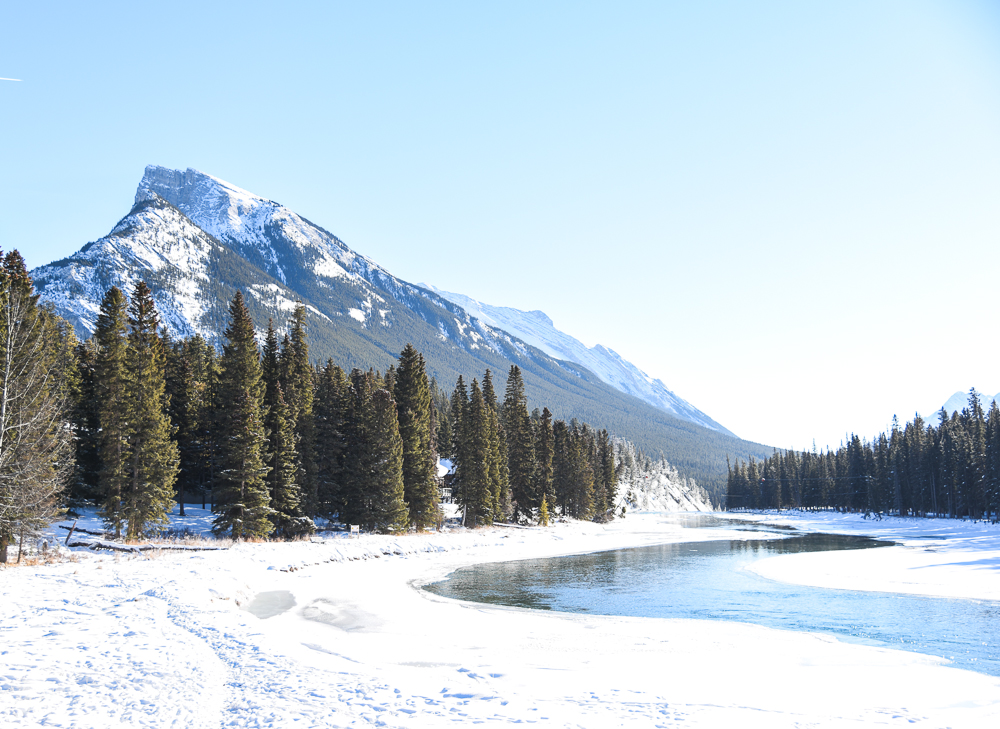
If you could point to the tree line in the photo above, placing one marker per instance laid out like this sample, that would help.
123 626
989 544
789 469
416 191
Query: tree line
134 421
509 465
918 470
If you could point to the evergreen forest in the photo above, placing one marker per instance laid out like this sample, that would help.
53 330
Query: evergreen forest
950 470
278 445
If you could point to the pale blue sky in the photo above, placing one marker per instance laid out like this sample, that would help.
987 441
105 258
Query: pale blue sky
789 212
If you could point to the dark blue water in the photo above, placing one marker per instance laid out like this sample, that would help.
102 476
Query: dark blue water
705 580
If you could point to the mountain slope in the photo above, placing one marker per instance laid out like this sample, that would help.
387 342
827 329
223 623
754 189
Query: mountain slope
197 240
537 329
958 402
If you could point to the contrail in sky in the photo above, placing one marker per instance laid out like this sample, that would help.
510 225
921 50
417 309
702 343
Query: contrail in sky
10 79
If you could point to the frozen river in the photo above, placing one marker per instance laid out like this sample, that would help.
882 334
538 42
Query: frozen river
707 580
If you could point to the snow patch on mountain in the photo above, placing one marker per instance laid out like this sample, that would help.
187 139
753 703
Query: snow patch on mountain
313 310
537 329
153 243
273 296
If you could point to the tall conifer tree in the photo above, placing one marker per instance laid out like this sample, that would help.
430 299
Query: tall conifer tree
477 495
496 459
86 427
330 414
297 381
355 477
280 456
372 479
544 451
153 461
387 507
413 401
608 477
459 440
242 501
112 388
520 447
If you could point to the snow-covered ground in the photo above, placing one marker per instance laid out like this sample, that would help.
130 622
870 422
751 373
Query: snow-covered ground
937 557
164 639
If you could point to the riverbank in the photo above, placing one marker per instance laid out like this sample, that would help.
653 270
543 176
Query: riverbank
163 641
934 557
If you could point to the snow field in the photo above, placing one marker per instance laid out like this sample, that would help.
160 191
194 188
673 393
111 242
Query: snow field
934 557
162 641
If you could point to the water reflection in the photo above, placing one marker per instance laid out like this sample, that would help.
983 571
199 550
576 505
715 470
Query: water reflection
705 580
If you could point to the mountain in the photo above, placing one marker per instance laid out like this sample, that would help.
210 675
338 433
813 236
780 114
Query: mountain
196 240
537 329
957 402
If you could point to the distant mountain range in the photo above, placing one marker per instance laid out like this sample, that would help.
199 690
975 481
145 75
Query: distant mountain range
196 240
537 329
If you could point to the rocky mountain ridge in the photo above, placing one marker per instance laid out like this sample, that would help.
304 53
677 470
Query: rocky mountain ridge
537 329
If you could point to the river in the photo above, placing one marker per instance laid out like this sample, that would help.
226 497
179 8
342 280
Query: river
707 581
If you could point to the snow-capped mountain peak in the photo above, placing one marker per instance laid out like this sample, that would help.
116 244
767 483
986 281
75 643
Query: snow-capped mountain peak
268 234
154 242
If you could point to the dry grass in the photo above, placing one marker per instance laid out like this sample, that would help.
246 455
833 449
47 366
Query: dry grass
39 558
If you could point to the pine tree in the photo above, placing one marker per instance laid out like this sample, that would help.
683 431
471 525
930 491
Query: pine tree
270 364
199 372
355 481
993 462
443 434
297 380
498 477
581 505
562 468
210 413
242 501
372 480
282 460
544 451
389 379
280 455
330 415
178 377
387 507
413 401
459 406
153 461
476 494
86 425
608 477
112 389
974 421
520 447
